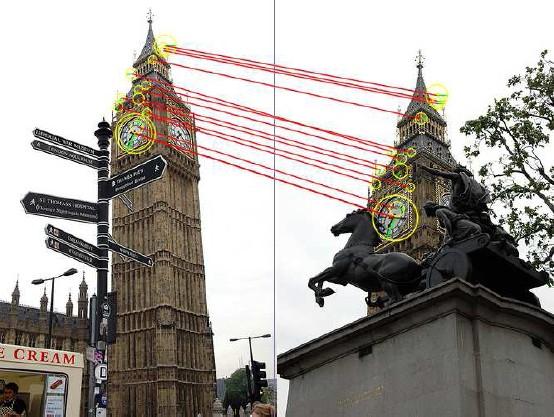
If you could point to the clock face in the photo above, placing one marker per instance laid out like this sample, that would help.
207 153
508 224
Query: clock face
445 199
134 134
391 218
179 135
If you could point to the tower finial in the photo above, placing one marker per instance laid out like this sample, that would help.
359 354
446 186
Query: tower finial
419 59
149 15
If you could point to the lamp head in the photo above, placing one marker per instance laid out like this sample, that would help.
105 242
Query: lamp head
69 272
37 281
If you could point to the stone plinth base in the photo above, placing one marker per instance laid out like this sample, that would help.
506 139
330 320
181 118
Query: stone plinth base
456 350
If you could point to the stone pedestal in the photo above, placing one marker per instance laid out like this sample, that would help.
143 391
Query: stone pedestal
455 350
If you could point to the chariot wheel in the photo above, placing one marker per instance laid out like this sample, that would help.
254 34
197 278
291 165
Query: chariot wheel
447 264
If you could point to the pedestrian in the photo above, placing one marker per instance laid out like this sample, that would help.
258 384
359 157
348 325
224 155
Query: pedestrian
263 410
10 406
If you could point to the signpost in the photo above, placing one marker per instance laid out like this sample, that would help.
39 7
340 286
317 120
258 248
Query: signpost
58 140
65 154
60 207
71 240
77 254
103 306
137 176
129 253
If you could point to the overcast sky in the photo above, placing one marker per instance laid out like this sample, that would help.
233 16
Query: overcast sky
64 62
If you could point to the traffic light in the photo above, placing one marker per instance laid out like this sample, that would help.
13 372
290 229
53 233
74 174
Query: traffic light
258 379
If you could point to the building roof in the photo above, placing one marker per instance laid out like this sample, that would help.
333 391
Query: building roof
149 47
419 102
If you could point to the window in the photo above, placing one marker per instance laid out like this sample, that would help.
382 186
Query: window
32 340
18 336
2 337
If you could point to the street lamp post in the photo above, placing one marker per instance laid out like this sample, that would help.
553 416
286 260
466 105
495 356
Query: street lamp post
251 356
50 321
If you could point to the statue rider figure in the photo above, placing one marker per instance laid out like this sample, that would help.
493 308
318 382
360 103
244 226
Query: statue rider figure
470 198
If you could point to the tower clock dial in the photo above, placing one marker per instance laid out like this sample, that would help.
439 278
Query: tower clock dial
179 135
134 133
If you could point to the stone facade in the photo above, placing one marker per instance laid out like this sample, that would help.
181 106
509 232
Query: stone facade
28 326
455 350
162 363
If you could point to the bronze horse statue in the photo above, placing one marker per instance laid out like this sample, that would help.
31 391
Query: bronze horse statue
357 264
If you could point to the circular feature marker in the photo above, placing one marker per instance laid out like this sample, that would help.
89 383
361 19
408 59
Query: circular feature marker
421 119
390 218
375 184
400 171
162 41
135 133
411 152
437 96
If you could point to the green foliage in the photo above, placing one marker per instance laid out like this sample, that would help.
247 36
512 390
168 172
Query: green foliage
236 391
519 172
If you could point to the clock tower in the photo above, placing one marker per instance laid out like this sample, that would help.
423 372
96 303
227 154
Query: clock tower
162 363
422 128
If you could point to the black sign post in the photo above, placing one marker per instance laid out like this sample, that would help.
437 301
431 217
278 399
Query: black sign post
71 240
103 134
103 318
60 207
77 254
137 176
65 154
58 140
130 253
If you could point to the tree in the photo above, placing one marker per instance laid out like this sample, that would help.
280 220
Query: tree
521 176
236 391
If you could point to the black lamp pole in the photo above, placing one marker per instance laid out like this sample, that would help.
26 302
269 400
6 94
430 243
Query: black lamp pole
251 359
39 281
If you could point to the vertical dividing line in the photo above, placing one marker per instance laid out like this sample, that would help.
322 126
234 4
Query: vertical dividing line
274 215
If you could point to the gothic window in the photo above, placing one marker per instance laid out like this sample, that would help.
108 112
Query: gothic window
2 337
32 340
18 336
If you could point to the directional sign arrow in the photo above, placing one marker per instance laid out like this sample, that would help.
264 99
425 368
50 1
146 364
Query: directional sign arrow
71 240
135 177
79 255
64 153
129 253
59 207
58 140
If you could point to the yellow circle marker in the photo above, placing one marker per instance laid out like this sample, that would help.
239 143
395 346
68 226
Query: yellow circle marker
147 112
152 59
119 101
163 40
421 119
138 98
131 74
411 152
401 159
134 133
390 214
437 96
375 184
400 171
380 171
410 187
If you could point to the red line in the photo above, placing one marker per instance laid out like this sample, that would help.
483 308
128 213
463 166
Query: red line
239 141
280 87
177 147
174 48
236 62
263 114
